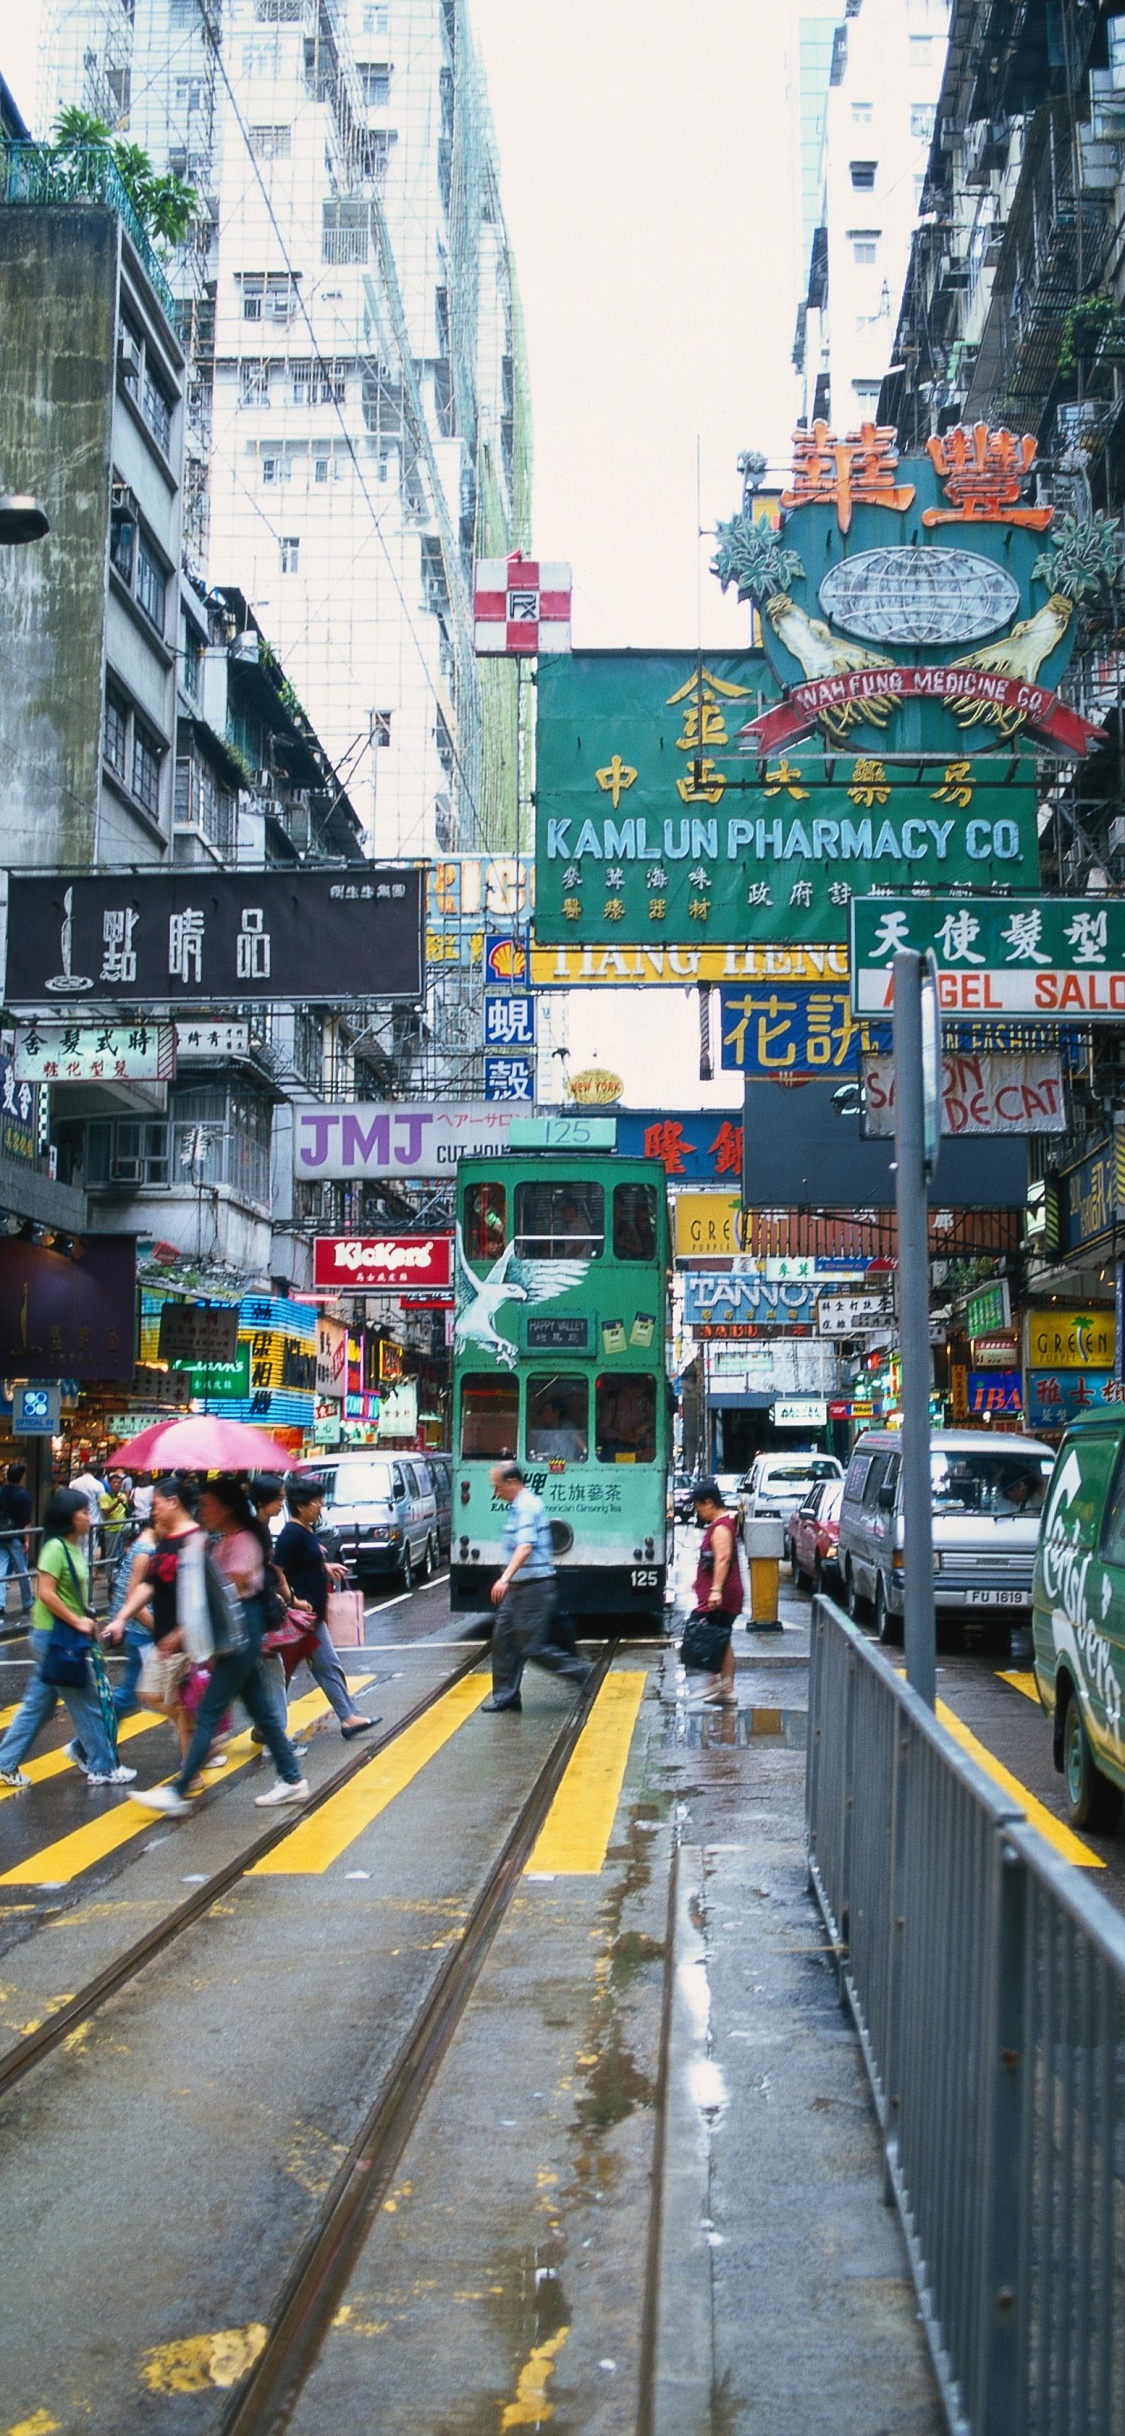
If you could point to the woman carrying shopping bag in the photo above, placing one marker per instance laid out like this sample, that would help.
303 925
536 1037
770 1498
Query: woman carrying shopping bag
303 1562
163 1667
62 1635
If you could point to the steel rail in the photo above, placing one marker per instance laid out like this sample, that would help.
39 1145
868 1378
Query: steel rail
39 2043
311 2293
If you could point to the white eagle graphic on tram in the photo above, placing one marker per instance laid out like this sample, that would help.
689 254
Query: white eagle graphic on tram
511 1279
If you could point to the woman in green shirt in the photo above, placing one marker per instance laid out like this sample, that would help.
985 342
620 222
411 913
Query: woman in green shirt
62 1590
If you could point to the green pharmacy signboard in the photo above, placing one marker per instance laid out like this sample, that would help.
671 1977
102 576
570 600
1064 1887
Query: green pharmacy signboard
917 617
652 828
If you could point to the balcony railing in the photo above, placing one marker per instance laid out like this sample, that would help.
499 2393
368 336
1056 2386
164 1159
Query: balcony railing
31 174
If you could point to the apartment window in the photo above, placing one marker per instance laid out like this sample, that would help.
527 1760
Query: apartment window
130 355
375 83
320 469
116 731
191 661
290 550
271 143
123 542
377 20
268 296
152 584
261 58
146 768
864 243
254 384
189 94
921 48
126 1152
280 12
345 229
919 189
922 116
156 407
866 394
319 384
863 174
276 469
862 114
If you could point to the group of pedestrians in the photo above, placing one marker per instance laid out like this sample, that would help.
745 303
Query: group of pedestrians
193 1599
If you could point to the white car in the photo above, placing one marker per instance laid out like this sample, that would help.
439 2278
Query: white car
776 1484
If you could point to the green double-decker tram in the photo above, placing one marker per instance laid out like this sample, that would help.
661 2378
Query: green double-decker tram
562 1264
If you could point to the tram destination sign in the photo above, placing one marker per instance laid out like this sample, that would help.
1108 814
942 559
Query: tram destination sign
168 939
564 1335
1060 957
651 830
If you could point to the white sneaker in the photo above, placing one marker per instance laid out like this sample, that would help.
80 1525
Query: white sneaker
216 1759
14 1779
116 1776
281 1792
162 1797
76 1756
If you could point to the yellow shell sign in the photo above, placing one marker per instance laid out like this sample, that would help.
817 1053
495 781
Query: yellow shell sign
1070 1340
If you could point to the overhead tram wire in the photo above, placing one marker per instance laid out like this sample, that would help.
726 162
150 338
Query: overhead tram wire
349 444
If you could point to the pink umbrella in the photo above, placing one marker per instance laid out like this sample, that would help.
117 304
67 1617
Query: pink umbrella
204 1443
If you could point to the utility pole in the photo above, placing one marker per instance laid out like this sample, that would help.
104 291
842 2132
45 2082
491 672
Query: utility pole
917 1051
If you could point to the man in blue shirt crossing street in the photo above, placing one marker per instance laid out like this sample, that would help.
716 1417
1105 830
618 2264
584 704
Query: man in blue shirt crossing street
524 1595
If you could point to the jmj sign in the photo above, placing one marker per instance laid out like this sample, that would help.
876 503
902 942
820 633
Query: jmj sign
344 1262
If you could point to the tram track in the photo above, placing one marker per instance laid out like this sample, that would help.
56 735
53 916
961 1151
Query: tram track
311 2293
80 2008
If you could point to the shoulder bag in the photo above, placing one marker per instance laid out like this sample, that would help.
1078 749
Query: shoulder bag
66 1658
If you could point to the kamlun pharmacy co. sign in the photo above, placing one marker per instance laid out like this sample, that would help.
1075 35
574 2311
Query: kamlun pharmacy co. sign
917 617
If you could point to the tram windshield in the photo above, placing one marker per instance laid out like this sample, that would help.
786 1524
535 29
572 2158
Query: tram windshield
560 1221
490 1415
557 1419
625 1418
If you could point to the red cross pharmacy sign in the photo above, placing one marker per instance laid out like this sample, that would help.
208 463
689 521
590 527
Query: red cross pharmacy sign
521 605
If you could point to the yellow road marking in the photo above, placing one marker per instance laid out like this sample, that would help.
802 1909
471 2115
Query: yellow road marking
58 1863
190 2366
531 2407
321 1839
54 1763
1053 1831
1024 1683
576 1831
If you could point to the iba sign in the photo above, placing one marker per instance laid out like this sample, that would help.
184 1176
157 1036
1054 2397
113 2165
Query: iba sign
344 1263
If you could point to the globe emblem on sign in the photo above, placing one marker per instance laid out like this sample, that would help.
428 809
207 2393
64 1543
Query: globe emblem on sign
919 596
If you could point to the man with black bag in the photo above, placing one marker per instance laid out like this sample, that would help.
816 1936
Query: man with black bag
718 1599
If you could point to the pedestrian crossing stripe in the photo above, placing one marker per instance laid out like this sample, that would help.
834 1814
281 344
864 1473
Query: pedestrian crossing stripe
58 1863
320 1840
574 1839
55 1763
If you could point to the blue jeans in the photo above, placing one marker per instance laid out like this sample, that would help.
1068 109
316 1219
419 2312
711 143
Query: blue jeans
325 1668
237 1675
39 1704
13 1559
136 1641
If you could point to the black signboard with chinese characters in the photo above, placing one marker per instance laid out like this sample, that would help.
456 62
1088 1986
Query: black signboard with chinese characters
68 1318
171 938
558 1335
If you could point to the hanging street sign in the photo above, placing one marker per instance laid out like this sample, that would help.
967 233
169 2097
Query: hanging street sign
509 1019
95 1052
723 1297
350 1143
346 1263
521 605
1042 956
214 1378
799 1032
206 1038
979 1095
510 1081
989 1308
851 1314
157 939
607 965
470 895
651 831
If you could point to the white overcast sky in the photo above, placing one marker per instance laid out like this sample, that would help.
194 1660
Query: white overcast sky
645 176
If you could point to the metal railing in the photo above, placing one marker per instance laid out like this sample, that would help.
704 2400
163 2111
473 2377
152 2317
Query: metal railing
32 173
987 1982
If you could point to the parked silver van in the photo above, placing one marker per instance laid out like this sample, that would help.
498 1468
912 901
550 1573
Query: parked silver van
379 1514
987 1500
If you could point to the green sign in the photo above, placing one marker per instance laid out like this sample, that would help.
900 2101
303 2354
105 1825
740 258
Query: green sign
653 828
1053 957
563 1133
218 1378
988 1310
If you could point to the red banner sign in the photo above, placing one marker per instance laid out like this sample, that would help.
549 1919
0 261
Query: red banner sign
1041 709
347 1263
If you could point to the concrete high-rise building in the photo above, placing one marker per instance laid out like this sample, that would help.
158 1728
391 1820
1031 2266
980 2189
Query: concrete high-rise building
884 80
356 415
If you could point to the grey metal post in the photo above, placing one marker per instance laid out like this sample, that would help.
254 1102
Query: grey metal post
914 1327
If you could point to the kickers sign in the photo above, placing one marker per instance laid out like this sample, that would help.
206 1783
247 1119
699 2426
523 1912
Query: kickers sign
349 1263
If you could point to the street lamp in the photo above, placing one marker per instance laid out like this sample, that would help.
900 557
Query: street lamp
22 518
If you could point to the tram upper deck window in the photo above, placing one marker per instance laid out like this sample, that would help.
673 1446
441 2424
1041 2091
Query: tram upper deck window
634 1222
490 1416
557 1419
560 1221
486 1223
625 1417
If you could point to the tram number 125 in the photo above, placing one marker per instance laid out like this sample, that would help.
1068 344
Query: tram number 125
644 1577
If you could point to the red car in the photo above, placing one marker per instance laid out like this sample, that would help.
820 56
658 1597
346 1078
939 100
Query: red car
814 1532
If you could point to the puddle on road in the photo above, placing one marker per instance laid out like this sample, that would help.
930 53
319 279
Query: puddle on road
711 1729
